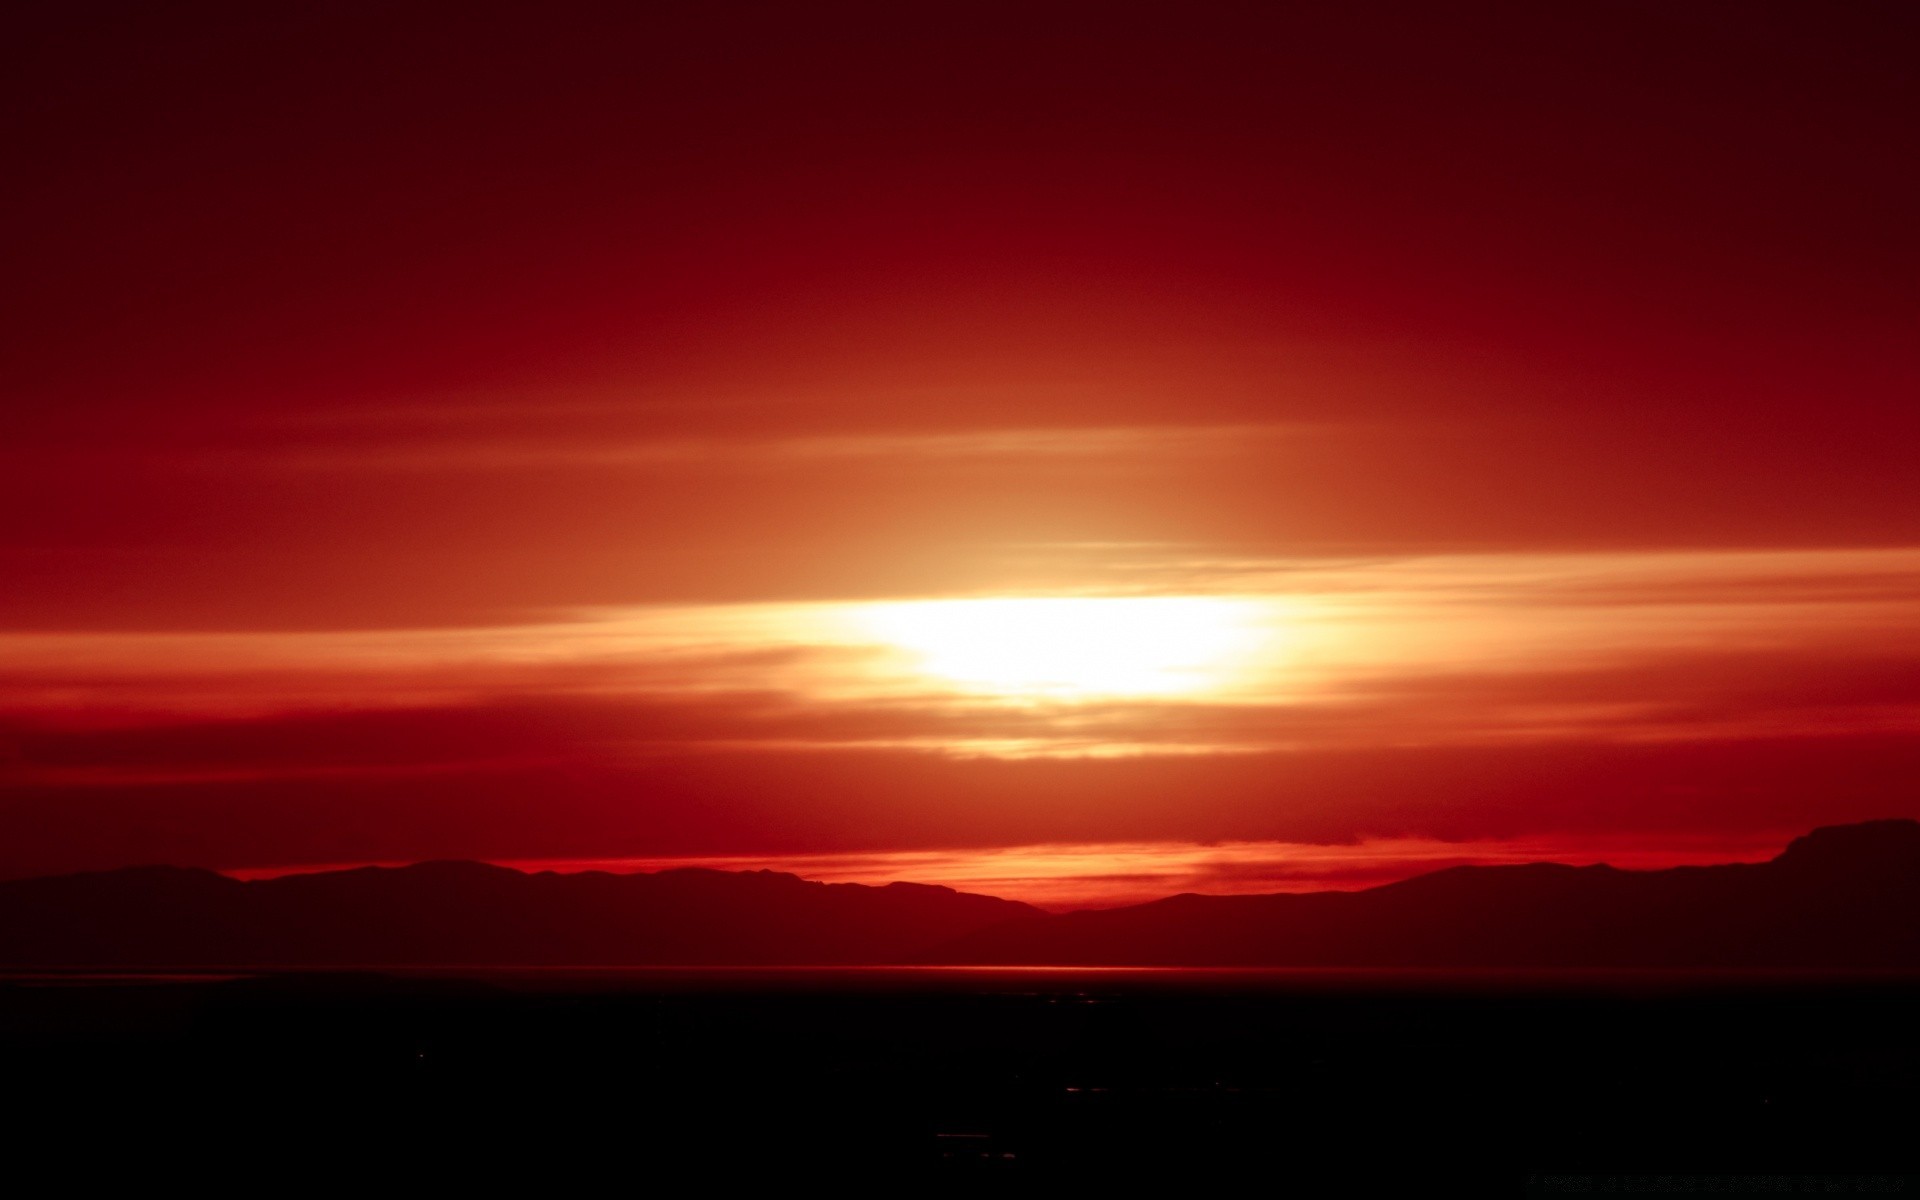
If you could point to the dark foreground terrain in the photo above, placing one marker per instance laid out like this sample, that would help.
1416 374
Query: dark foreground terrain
659 1081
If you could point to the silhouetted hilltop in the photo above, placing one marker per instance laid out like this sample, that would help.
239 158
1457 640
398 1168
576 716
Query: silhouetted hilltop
472 913
1871 846
1842 896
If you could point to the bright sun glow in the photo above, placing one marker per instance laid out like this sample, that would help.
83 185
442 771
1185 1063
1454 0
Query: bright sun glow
1072 648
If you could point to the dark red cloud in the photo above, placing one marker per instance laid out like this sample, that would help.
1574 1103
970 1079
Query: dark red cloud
1632 275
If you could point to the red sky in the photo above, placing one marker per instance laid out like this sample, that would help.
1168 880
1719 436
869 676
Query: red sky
487 431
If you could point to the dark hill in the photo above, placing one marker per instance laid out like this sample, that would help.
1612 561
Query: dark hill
1842 896
474 914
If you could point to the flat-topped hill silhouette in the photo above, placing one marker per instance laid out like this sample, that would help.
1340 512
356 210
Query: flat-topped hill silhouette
1842 896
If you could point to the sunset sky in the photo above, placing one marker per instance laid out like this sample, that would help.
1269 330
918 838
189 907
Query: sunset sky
1075 452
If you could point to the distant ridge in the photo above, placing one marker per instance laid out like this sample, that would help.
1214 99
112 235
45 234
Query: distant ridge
1845 896
1841 896
467 913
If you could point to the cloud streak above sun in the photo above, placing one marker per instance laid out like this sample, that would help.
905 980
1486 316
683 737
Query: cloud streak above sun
1325 649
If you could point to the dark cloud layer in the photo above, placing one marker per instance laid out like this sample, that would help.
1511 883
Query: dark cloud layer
1629 275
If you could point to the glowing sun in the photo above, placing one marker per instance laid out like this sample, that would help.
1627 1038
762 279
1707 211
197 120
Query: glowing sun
1066 648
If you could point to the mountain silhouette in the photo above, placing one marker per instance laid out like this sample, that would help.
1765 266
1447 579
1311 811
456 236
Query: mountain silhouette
466 913
1842 896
